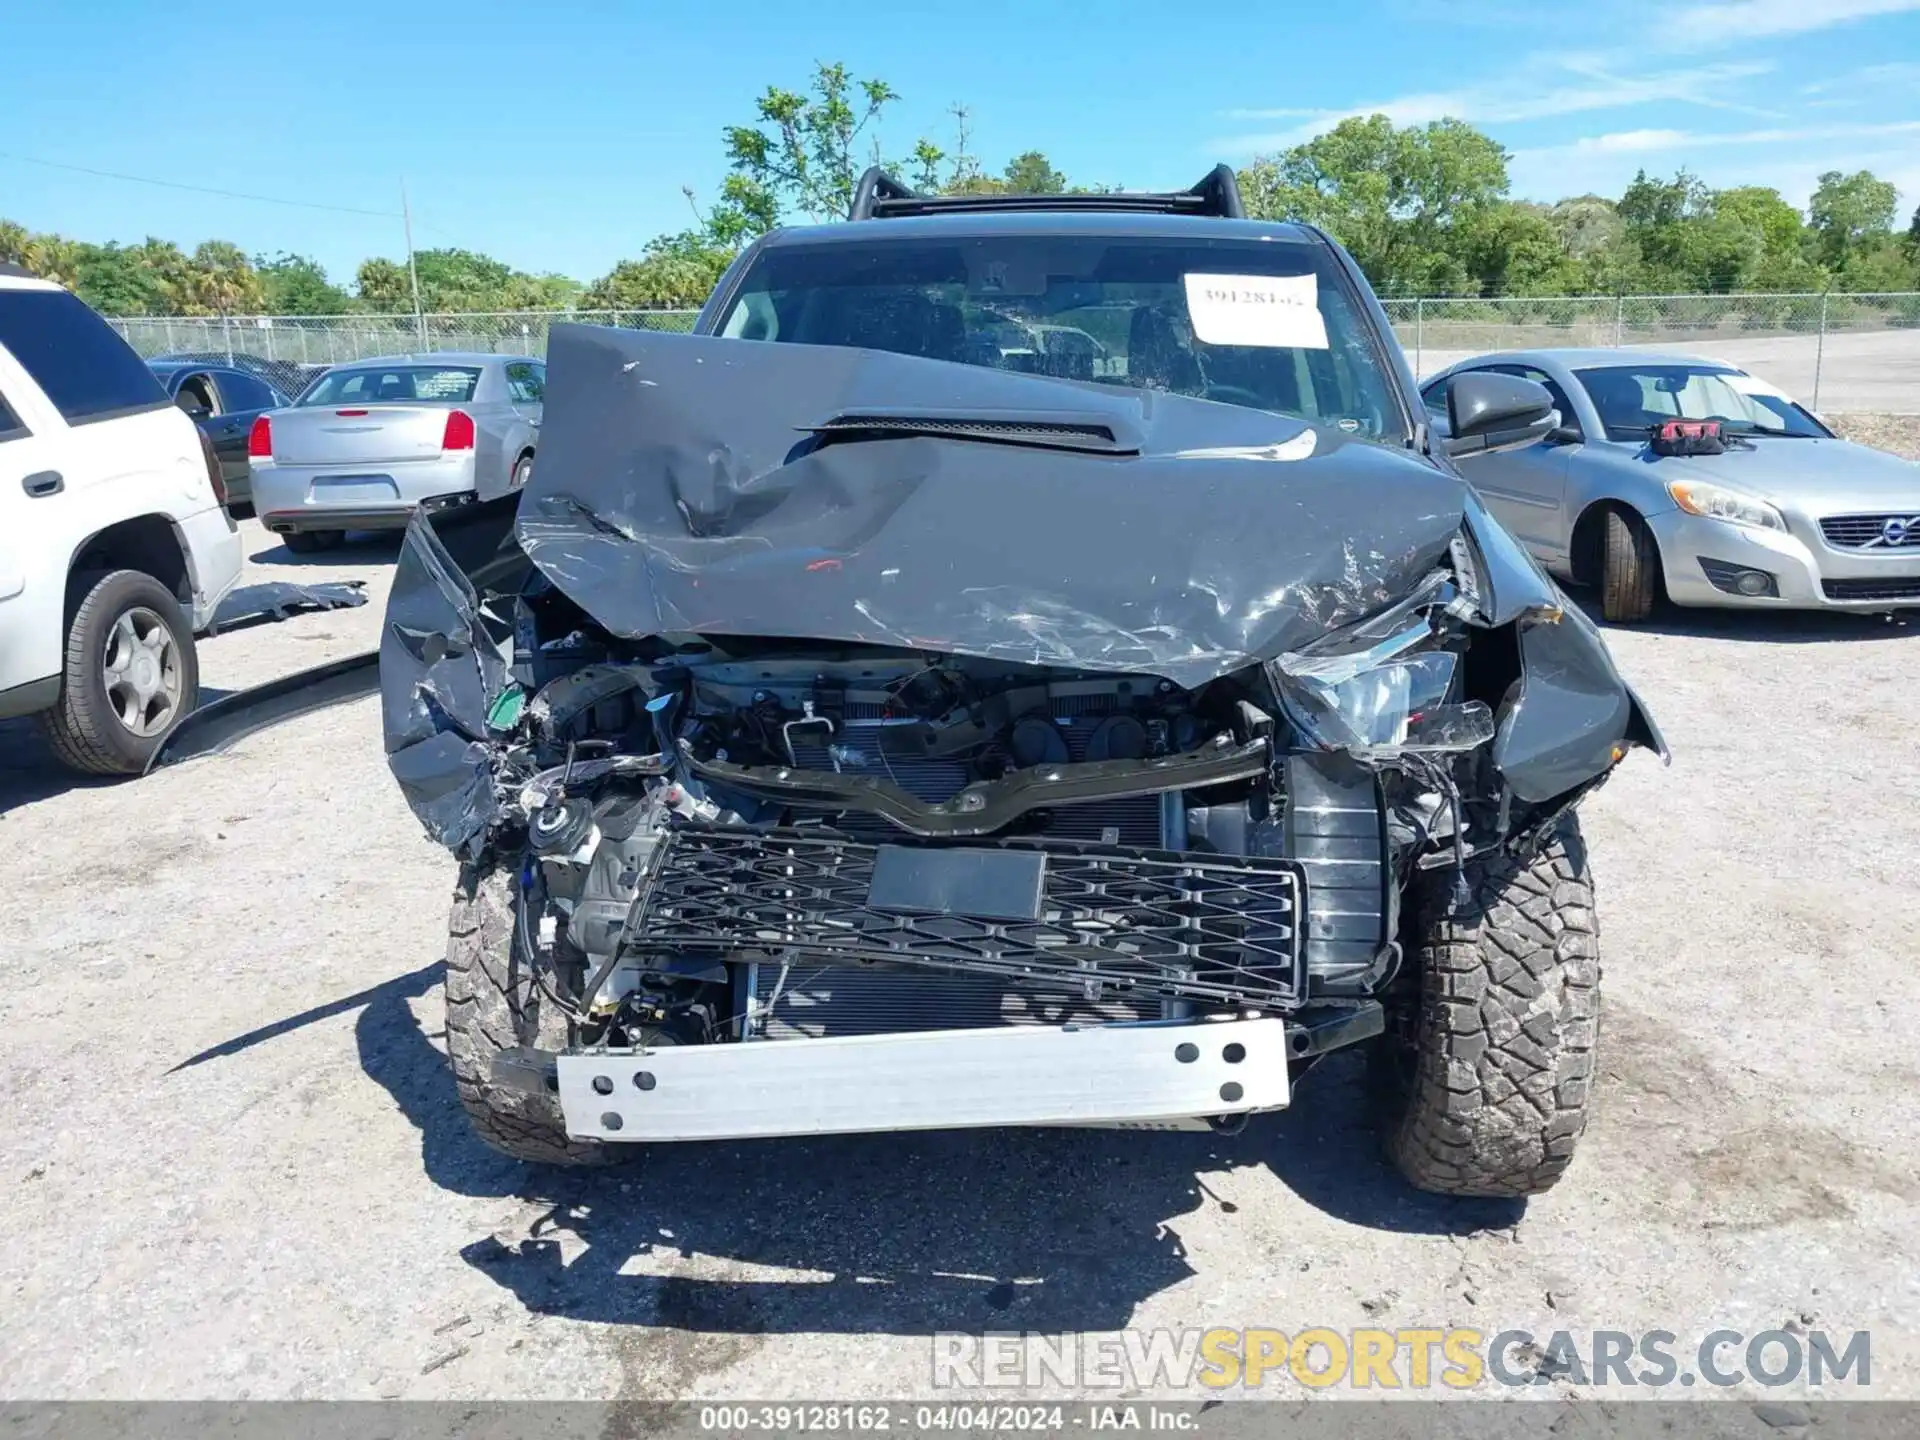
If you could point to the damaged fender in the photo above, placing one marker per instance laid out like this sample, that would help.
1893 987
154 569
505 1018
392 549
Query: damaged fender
1572 715
443 664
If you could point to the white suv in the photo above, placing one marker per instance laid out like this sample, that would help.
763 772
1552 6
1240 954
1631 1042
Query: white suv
115 545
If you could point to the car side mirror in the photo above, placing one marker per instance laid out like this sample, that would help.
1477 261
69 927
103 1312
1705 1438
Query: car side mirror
1487 412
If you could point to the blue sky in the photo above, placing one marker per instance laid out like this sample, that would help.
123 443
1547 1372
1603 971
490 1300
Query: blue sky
557 135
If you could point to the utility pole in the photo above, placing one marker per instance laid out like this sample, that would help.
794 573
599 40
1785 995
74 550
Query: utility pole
419 316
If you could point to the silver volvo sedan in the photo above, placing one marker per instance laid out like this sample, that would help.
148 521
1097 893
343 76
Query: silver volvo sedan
372 440
1777 511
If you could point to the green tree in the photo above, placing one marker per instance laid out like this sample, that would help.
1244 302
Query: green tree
298 285
220 280
455 280
383 286
1782 233
1511 249
1031 173
13 243
122 280
803 151
673 272
1392 196
53 257
1848 211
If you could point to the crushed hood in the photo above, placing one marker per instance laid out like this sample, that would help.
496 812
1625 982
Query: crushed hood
685 486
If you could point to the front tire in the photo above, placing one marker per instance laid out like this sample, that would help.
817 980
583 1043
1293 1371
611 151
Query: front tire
1487 1072
131 673
493 1005
1629 569
522 472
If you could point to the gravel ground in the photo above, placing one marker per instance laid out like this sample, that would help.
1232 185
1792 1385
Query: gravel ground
233 1166
1898 433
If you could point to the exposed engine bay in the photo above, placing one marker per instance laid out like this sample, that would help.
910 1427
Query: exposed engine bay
727 838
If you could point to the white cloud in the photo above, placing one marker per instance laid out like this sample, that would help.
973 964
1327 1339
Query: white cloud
1743 20
1653 140
1590 88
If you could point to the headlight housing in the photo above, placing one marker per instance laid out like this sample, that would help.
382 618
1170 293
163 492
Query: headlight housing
1717 502
1391 695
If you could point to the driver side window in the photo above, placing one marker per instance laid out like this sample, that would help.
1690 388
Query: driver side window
195 396
1568 418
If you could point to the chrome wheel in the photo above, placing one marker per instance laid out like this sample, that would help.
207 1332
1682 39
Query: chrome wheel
142 672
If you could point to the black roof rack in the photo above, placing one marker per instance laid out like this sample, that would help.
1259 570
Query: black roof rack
879 196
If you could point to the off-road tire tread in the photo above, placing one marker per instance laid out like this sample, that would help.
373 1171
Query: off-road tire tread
75 732
1630 569
1509 1018
493 1006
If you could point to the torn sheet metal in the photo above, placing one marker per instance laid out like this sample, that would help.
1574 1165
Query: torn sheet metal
1573 710
681 489
279 599
442 667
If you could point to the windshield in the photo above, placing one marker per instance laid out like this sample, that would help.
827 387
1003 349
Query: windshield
1632 398
394 385
1271 325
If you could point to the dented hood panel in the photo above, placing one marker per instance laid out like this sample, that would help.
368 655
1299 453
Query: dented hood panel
681 489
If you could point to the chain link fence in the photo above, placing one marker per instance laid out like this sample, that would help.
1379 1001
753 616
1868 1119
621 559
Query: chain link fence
1837 352
310 340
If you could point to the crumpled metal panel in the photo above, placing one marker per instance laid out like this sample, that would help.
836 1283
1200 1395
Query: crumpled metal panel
440 671
681 488
1573 708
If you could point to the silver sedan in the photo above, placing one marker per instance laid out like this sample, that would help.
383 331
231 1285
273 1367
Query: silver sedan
1788 515
372 440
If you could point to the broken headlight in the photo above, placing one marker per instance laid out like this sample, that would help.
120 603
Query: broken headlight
1391 695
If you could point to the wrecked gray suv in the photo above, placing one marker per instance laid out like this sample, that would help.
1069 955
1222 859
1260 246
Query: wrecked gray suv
1022 662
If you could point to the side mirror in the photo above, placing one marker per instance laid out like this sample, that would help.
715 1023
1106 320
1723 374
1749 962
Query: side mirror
1487 412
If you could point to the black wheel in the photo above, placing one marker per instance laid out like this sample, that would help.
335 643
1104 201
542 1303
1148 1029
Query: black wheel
1487 1068
1630 569
522 472
494 1005
309 542
131 673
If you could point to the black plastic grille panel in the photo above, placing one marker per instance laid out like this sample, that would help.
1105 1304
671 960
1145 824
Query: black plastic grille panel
1891 588
1223 929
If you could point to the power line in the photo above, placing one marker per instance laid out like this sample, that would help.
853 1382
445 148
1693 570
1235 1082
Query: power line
198 189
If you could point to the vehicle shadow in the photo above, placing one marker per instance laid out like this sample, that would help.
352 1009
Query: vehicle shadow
370 547
1776 627
890 1234
29 773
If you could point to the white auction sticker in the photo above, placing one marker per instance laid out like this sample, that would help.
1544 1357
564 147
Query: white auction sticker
1276 311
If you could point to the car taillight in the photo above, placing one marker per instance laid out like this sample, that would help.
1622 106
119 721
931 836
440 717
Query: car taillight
214 477
260 439
459 434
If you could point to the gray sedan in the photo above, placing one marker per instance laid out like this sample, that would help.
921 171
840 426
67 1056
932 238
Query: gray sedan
1787 516
372 440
